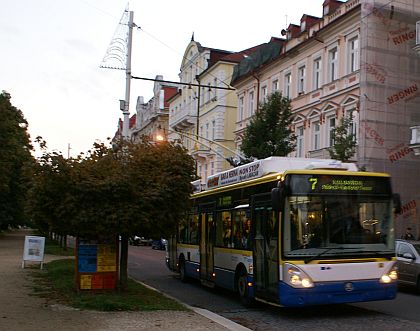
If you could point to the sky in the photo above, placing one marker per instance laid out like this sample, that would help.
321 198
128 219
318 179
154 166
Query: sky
51 52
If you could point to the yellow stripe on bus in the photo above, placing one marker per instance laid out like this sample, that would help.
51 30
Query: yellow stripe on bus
233 251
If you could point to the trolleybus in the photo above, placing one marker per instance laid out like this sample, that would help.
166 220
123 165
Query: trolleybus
291 232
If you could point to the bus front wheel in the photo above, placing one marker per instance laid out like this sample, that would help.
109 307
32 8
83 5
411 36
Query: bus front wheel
243 291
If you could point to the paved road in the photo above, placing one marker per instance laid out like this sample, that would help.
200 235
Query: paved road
148 266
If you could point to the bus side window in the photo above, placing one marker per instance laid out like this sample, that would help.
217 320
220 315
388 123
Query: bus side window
224 229
241 230
182 232
193 230
219 230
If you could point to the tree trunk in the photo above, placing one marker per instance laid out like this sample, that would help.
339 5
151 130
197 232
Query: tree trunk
124 262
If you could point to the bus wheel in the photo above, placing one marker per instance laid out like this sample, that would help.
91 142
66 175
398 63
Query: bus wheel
242 286
182 273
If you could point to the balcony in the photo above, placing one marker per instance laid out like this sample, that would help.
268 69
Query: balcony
183 118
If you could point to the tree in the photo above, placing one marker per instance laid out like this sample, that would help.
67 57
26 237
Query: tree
15 161
269 133
51 197
132 189
344 146
135 188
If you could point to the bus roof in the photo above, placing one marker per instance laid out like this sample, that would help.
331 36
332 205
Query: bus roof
273 164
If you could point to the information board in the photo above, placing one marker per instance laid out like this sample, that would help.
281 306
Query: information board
33 250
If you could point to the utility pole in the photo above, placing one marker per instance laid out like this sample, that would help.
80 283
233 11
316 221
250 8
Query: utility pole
126 111
198 104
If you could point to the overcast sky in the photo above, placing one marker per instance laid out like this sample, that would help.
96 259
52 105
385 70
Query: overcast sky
51 52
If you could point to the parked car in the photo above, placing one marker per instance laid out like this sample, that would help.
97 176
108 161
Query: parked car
408 262
159 244
139 241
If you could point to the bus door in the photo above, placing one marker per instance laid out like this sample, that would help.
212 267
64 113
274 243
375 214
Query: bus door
206 244
265 247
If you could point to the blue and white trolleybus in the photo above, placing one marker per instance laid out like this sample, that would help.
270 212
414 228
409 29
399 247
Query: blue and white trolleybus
291 232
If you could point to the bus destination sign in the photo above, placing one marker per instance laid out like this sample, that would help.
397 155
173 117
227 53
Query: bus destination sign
335 184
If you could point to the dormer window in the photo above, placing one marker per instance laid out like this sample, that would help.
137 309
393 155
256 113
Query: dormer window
289 35
302 26
326 10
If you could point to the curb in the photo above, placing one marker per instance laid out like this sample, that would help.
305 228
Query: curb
227 323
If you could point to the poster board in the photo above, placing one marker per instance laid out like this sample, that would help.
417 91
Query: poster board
97 265
33 250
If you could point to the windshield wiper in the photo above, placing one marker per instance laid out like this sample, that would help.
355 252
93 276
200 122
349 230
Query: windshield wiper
326 250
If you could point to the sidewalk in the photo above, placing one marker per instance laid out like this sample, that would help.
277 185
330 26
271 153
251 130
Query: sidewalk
21 310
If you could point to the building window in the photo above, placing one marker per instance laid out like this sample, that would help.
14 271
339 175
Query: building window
299 141
302 26
287 84
213 129
301 80
264 93
207 130
208 98
251 103
241 109
353 54
317 73
331 129
212 168
353 125
316 137
332 64
215 90
275 85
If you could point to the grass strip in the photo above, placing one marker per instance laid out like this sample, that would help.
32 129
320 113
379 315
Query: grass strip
57 283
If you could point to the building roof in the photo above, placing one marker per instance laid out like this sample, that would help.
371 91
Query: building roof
257 56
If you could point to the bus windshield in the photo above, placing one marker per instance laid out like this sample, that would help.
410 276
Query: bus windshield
333 226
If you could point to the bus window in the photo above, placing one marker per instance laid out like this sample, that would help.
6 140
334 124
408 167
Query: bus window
241 229
224 229
182 232
193 230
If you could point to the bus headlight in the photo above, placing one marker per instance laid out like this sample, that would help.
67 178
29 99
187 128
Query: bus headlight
390 276
296 277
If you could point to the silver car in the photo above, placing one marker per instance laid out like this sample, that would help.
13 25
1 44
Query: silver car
408 261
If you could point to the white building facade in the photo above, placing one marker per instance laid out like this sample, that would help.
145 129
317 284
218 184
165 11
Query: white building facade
201 114
356 59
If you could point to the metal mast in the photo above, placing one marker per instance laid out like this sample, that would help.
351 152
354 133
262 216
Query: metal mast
118 56
126 111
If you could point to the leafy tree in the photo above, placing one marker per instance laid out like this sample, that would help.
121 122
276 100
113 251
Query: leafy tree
15 159
132 189
344 140
269 133
51 196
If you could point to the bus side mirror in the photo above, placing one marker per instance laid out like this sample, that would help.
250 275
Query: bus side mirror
397 203
278 197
